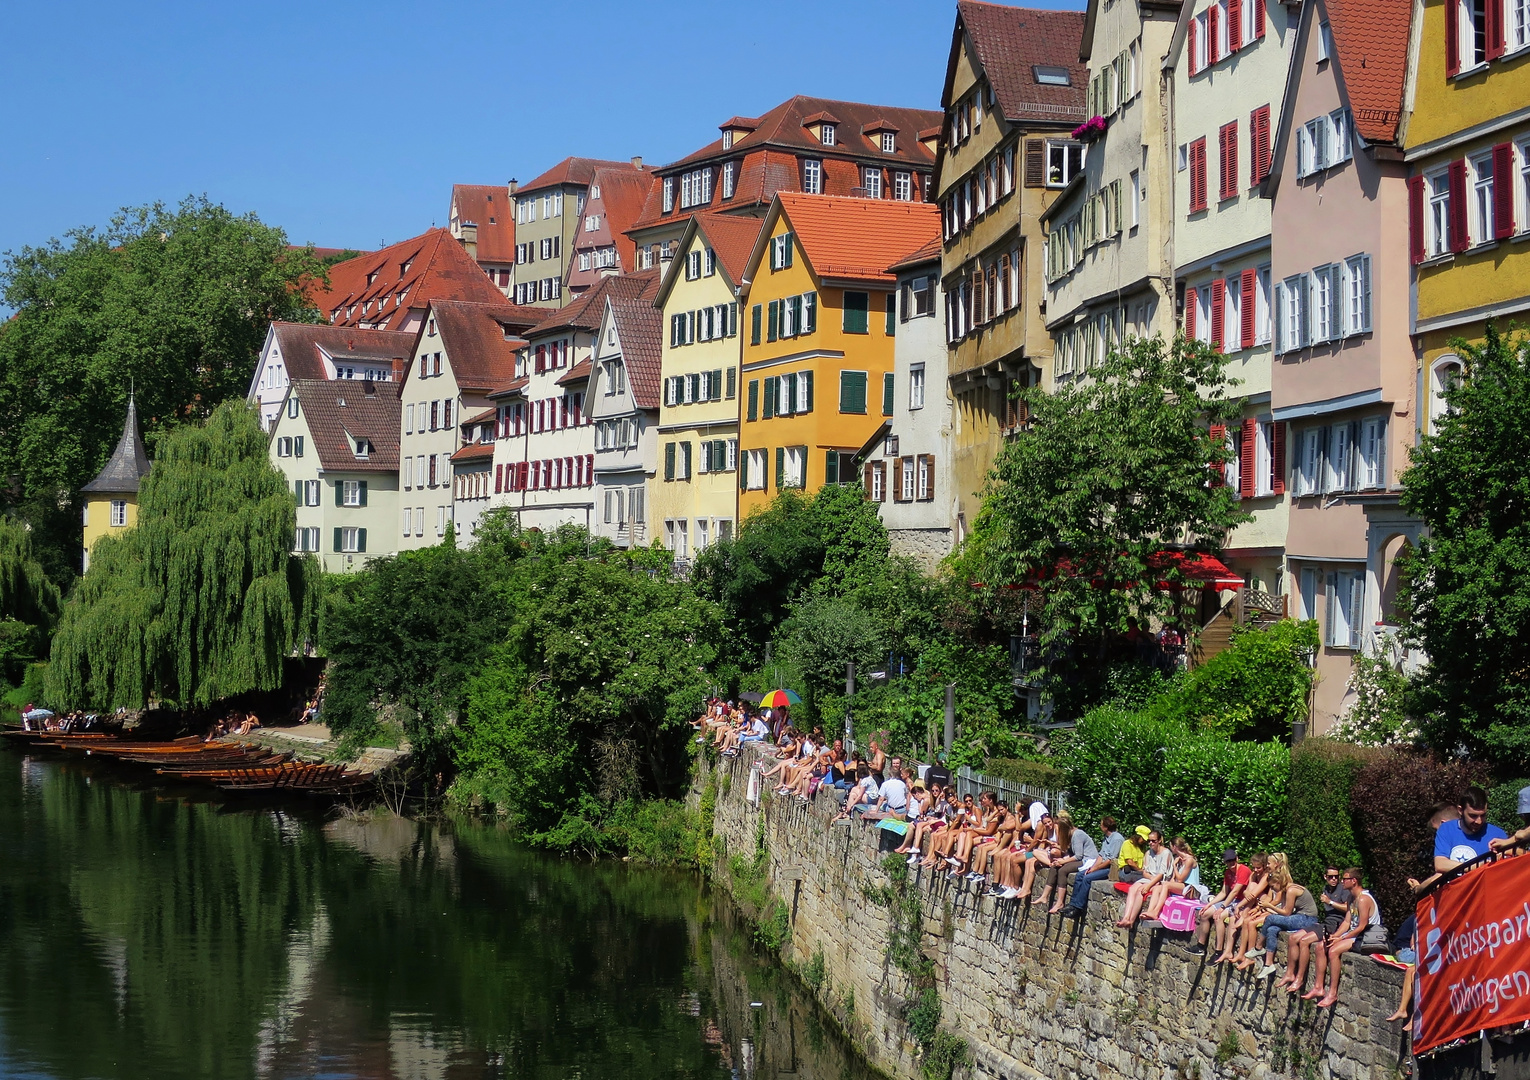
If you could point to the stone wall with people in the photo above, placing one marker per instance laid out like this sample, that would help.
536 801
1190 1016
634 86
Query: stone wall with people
1031 995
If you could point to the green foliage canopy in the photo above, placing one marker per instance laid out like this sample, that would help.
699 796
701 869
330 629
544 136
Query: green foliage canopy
29 600
172 302
1466 594
1111 470
203 599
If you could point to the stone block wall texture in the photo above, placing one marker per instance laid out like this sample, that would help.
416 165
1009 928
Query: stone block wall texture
925 546
1037 996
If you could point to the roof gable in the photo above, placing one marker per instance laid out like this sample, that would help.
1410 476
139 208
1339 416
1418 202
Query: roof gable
378 290
855 239
337 412
479 341
573 170
639 330
585 313
1010 43
489 207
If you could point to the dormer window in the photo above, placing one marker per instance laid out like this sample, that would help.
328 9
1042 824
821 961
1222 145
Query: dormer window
364 449
826 134
1051 76
403 267
728 139
432 328
889 143
372 278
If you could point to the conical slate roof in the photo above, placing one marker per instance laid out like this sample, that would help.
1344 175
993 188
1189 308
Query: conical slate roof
129 463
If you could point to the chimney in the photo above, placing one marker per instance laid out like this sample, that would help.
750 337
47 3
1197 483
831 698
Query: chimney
513 185
398 369
468 235
637 163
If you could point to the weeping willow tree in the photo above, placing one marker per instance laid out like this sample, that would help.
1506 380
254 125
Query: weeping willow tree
203 599
29 600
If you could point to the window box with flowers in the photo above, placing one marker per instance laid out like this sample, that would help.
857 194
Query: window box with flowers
1090 129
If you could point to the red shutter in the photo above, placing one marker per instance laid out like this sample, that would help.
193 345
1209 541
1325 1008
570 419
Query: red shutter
1452 38
1213 24
1198 175
1416 218
1234 25
1193 34
1218 313
1257 14
1259 143
1190 298
499 479
1503 191
1460 231
1218 438
525 474
1493 15
589 470
1246 307
1278 457
1229 149
1248 454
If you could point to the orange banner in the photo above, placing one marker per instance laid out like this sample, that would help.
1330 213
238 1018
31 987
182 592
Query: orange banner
1474 955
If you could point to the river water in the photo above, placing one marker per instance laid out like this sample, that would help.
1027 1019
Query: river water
155 933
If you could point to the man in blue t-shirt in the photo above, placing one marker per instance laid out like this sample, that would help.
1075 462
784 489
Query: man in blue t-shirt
1461 841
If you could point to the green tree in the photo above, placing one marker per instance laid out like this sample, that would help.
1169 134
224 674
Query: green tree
1466 593
203 599
29 600
1111 470
174 303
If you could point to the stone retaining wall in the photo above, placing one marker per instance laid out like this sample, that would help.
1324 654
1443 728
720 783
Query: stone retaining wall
1037 996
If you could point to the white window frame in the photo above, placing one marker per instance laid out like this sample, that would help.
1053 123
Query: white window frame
794 467
915 386
1307 475
889 142
1516 28
1346 608
1338 459
1442 373
312 491
812 176
1061 151
1483 196
350 539
1437 214
1357 295
759 468
871 180
1370 454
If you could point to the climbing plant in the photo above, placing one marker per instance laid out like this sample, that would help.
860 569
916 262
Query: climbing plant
203 599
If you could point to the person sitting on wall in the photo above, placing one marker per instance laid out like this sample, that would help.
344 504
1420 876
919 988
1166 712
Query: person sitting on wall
1363 929
1289 906
1133 852
864 793
1157 866
1099 869
1184 881
921 824
986 856
1405 946
1458 842
1244 919
1076 850
1333 906
1235 876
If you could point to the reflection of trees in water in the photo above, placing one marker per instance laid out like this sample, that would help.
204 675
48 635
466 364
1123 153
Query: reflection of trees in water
143 936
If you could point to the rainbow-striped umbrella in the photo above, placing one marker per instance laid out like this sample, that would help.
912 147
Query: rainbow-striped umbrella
777 698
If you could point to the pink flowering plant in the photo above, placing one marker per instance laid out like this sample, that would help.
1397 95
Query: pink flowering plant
1090 129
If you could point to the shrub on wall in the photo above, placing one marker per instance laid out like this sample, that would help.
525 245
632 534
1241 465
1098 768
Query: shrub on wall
1254 689
1114 762
1320 829
1222 794
1391 800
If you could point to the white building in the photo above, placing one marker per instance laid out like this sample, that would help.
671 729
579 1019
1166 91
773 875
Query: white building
624 407
909 476
336 442
315 351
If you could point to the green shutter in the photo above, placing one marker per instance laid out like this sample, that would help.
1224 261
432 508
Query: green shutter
732 383
808 375
780 467
754 397
669 461
773 330
790 240
719 455
852 392
892 314
297 446
791 394
887 394
743 470
770 396
339 495
717 391
754 325
363 492
809 312
831 467
297 491
361 540
856 306
337 538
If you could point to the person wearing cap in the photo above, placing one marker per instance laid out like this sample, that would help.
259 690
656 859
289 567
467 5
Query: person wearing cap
1235 878
1133 853
1521 838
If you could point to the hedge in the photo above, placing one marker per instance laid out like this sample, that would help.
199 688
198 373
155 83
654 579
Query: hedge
1222 794
1320 827
1114 762
1503 804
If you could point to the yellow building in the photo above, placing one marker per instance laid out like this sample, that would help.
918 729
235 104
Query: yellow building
693 495
1467 145
111 499
818 325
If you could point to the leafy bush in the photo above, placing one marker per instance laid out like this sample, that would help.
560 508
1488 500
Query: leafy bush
1320 830
1114 763
1391 799
1254 689
1503 804
1223 794
32 687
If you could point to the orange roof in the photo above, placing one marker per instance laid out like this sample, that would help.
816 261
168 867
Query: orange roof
489 207
586 312
732 237
1371 39
925 253
475 452
574 170
378 290
622 194
858 238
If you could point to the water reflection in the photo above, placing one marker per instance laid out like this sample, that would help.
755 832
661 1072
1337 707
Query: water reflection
152 933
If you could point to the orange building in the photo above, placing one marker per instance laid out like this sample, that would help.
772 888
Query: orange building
818 318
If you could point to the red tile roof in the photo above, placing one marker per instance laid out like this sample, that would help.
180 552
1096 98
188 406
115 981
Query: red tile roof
622 194
1010 43
341 410
586 312
858 239
515 386
925 253
489 207
1371 40
640 327
580 372
482 417
300 345
573 170
475 452
380 289
769 147
482 357
732 236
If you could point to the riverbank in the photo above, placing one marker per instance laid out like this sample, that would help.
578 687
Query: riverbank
1029 995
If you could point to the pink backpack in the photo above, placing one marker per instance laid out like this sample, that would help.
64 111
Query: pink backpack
1179 913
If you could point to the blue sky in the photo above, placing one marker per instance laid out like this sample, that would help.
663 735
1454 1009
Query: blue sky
346 123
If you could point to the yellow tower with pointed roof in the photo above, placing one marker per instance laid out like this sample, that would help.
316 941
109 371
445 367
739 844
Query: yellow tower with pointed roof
111 499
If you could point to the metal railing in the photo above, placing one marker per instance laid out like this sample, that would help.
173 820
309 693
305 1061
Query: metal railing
1013 792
